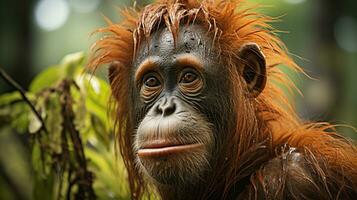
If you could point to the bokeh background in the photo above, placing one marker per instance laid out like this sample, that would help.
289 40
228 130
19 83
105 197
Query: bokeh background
321 36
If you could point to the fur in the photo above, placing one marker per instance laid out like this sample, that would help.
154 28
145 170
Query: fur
264 123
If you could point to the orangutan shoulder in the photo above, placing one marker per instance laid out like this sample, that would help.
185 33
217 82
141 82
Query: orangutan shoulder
288 173
297 174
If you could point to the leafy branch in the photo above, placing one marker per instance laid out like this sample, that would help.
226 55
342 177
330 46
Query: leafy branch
18 88
65 116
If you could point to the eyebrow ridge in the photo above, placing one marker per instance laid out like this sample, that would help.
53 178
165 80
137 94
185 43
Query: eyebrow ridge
190 60
186 59
147 65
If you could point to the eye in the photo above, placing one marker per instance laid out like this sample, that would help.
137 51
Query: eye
188 77
150 86
151 81
191 82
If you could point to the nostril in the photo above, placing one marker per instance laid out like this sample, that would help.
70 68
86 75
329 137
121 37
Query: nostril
166 108
158 110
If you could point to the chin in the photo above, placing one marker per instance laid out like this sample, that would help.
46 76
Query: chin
181 168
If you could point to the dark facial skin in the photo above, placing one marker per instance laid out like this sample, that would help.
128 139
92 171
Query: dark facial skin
179 99
182 103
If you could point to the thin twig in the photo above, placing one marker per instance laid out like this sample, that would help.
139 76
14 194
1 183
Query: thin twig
14 84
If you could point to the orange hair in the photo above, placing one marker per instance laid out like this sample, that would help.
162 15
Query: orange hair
269 120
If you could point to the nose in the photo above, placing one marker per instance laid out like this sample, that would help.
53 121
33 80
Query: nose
166 107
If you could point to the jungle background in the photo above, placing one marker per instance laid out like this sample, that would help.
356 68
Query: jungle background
39 156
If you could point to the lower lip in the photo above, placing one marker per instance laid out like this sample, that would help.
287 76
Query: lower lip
166 151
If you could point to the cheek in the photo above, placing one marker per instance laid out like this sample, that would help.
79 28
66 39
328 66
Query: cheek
218 106
140 111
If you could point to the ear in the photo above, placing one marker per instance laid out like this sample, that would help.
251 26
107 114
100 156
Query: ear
253 68
119 79
113 71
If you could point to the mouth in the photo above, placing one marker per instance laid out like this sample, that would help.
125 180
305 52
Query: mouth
161 148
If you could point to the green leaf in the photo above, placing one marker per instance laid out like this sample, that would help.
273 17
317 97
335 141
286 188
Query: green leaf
44 187
73 64
35 124
9 97
14 111
101 132
70 66
19 117
97 93
110 182
49 77
36 157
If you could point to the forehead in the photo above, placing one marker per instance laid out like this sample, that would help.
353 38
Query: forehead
192 39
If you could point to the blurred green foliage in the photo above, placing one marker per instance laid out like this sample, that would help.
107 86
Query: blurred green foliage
56 171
